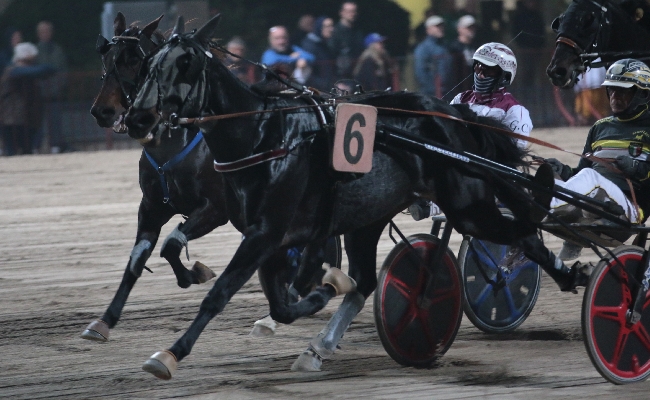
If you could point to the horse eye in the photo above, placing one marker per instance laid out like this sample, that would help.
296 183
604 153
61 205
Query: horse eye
183 62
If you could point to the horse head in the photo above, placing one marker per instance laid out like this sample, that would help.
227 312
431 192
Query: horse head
122 59
594 26
176 82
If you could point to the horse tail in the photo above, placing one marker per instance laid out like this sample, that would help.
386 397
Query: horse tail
494 145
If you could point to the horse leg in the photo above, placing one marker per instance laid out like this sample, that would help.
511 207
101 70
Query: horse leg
253 251
150 221
274 280
200 222
361 248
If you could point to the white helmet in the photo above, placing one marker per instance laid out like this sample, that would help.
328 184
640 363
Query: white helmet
492 54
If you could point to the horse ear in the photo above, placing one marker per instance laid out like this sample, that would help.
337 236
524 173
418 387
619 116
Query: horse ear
151 27
119 25
102 45
180 26
204 34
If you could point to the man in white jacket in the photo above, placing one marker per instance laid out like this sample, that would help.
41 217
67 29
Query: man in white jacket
495 67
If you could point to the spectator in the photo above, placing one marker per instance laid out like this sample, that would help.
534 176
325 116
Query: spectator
323 70
420 31
21 104
462 50
529 31
236 65
11 38
374 68
288 59
432 60
346 41
52 54
591 103
304 28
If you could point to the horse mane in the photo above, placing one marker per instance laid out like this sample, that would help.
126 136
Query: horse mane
494 145
630 8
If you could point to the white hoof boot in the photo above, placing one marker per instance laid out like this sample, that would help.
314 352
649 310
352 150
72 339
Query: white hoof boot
308 361
341 283
264 327
162 365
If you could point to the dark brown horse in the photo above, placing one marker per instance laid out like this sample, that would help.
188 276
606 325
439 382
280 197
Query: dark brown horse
190 187
597 26
295 198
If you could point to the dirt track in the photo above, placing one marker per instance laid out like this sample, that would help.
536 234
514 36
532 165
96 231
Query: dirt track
67 224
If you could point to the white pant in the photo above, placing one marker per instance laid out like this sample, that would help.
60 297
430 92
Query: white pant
587 181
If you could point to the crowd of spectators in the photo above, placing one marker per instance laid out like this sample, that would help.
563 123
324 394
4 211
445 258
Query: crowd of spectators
32 77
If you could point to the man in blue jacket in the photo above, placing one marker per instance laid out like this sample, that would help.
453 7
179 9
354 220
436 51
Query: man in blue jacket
287 58
432 60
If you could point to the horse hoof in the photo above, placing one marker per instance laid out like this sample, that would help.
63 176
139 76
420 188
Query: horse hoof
308 361
202 272
162 365
264 327
341 283
96 331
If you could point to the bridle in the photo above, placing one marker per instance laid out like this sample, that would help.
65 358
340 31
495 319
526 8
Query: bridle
144 47
589 52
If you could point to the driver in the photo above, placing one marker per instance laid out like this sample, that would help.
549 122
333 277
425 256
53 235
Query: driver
624 138
495 67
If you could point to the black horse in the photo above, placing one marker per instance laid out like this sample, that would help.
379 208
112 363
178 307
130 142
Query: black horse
190 188
295 197
597 26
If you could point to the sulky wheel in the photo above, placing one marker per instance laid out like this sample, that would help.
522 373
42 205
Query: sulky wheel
500 288
416 327
620 351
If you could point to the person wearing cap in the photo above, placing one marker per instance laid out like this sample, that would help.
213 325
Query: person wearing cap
21 103
462 51
623 137
432 60
375 68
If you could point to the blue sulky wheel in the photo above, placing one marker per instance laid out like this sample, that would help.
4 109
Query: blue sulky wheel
500 290
619 350
416 327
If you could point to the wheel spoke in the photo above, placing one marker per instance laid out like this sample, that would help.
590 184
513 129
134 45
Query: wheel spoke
615 313
516 271
511 302
642 334
409 316
441 295
429 336
623 334
487 290
485 255
401 286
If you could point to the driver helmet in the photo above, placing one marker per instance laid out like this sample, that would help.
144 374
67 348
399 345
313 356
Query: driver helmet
629 73
491 54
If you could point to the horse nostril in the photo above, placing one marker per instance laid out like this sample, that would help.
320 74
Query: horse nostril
103 113
558 72
140 120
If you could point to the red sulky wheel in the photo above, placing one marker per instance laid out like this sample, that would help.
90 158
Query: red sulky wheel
414 328
619 351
